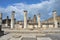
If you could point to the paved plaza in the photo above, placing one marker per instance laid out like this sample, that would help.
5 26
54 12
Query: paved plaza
30 35
13 36
32 29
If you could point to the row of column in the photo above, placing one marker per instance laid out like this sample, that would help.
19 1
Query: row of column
25 19
38 19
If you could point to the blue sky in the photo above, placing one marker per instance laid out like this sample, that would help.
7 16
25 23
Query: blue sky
44 7
5 3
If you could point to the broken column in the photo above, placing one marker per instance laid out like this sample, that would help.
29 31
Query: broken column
12 19
7 21
54 19
38 19
0 21
25 19
35 19
1 32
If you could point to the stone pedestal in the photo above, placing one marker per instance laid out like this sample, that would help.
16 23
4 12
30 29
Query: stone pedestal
39 23
1 32
12 19
55 20
25 19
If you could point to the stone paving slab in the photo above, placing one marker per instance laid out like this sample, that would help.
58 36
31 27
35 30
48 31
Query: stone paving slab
28 38
44 38
14 36
33 31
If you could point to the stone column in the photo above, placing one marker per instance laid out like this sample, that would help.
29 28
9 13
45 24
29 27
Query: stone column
1 32
0 21
12 19
54 19
38 19
7 21
35 19
25 19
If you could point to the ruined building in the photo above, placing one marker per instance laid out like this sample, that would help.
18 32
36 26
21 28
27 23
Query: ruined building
29 23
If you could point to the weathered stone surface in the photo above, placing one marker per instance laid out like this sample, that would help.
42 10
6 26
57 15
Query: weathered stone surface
44 38
54 18
25 19
26 38
39 23
1 32
12 19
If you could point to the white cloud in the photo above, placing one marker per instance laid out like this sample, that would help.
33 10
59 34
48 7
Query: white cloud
44 8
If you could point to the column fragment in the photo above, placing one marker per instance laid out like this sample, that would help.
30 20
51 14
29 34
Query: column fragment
38 19
54 19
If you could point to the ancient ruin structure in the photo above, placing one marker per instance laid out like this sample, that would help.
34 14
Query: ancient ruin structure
25 19
1 32
33 23
7 21
0 21
54 18
39 23
12 19
29 28
35 19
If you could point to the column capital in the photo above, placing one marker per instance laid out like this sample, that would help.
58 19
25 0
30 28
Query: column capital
13 11
7 17
54 11
25 10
